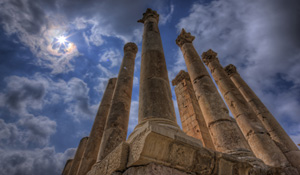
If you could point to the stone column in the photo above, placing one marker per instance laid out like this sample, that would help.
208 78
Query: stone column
225 134
155 98
116 127
78 156
92 148
193 123
259 140
67 167
277 133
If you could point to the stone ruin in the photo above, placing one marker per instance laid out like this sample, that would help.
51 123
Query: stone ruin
211 142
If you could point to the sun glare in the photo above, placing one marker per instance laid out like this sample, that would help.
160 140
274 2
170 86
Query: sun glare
62 39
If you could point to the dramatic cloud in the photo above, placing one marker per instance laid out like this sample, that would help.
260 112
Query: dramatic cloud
38 161
22 93
262 42
37 129
78 98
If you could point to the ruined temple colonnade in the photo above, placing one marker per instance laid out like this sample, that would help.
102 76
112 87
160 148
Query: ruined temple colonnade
211 143
277 133
251 127
116 126
225 133
90 155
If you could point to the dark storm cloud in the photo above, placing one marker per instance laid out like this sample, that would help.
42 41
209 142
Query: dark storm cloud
262 39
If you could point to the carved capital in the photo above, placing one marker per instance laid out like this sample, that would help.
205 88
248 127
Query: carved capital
149 13
184 37
230 69
130 47
209 56
180 76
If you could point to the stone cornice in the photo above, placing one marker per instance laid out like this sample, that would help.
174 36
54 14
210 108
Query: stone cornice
184 37
130 47
149 13
230 69
179 77
209 56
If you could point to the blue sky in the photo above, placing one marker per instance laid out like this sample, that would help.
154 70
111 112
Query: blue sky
49 94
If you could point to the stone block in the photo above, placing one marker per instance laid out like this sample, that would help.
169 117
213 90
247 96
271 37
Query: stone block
115 161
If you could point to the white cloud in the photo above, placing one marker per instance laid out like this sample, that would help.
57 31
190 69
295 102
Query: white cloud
164 18
114 56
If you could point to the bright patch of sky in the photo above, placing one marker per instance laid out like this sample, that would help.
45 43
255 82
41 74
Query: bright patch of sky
57 56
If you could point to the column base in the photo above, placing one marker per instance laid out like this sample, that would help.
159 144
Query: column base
153 149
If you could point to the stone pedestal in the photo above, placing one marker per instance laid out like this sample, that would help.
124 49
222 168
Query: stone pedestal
67 167
93 144
155 98
78 156
158 150
277 133
225 134
260 142
116 127
193 123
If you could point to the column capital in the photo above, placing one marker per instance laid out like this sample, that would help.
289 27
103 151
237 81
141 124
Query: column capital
180 76
149 13
230 69
184 37
209 56
130 47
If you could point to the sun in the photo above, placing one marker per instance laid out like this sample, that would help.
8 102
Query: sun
62 39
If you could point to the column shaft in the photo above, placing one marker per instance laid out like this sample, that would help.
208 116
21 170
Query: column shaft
92 148
67 167
78 156
225 134
155 98
116 127
193 122
251 127
277 133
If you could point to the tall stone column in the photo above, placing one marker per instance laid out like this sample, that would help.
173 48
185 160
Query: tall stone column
78 156
225 133
193 123
116 127
155 98
259 140
277 133
92 148
67 167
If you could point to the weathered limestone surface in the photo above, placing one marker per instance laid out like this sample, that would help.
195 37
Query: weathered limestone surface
224 132
277 133
67 167
116 127
154 169
78 155
113 162
92 148
158 144
155 98
193 123
260 142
